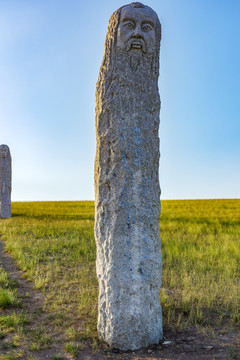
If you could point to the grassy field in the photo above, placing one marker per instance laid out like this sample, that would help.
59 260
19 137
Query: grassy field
53 244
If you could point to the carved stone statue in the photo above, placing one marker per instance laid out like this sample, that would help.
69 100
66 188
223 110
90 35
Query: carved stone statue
127 203
5 181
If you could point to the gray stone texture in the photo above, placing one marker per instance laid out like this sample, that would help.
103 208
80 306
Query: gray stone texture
127 181
5 181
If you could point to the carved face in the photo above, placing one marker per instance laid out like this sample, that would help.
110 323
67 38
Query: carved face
136 29
3 151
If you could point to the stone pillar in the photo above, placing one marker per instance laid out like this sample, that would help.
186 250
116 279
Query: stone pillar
127 191
5 181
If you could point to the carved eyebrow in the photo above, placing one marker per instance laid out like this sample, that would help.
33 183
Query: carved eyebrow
148 22
128 19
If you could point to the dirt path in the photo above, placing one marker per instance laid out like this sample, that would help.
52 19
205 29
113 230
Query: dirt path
186 345
31 297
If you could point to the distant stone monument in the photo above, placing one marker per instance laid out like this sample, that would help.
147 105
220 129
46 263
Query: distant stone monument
127 181
5 181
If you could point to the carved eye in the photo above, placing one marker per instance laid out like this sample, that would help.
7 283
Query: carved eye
129 25
147 27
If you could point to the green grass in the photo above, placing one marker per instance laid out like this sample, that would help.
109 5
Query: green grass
53 244
201 257
11 322
8 291
12 317
39 339
72 348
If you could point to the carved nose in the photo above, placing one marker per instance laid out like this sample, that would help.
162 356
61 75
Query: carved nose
137 35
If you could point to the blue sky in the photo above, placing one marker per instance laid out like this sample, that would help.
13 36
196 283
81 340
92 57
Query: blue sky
50 54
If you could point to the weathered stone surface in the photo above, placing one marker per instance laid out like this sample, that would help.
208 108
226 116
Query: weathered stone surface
5 181
127 181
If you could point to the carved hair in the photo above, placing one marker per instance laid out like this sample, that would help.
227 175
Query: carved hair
137 5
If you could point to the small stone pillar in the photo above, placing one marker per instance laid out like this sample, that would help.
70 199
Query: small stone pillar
5 181
127 191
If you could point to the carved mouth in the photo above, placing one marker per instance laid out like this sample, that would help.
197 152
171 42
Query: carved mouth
136 45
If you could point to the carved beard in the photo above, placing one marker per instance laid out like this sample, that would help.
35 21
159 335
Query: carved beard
134 59
133 76
128 80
